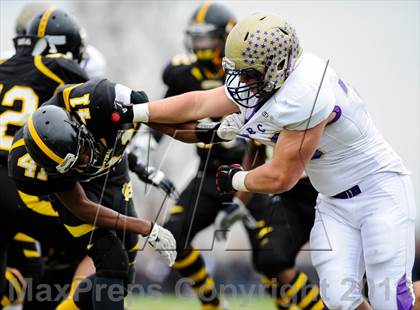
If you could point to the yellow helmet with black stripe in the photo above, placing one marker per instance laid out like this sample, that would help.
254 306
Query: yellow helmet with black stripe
62 31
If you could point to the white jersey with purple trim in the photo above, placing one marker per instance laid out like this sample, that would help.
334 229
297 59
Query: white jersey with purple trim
351 148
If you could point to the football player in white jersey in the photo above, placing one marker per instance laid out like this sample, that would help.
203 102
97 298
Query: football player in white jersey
318 124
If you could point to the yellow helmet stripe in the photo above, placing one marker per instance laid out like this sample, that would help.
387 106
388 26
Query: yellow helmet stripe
44 21
44 148
202 12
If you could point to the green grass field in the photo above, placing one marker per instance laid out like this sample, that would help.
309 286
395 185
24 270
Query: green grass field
168 302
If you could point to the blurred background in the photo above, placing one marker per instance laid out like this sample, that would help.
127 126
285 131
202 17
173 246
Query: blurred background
374 45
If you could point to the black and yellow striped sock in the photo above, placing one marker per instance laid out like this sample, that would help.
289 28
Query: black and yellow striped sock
300 294
191 265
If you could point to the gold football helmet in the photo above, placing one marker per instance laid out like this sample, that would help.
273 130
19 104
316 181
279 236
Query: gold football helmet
260 53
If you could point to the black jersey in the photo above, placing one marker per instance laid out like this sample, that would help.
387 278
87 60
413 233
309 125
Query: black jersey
26 82
92 103
185 74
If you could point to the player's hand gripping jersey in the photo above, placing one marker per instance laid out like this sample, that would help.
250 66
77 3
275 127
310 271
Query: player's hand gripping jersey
351 147
92 104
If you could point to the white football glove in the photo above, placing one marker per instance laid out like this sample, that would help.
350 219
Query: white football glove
235 211
230 126
164 242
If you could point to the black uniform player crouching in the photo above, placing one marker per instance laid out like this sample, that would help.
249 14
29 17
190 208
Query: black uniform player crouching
76 144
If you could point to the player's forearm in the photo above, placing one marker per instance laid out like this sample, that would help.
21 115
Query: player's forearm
178 109
183 132
102 217
267 179
76 201
184 108
192 132
254 157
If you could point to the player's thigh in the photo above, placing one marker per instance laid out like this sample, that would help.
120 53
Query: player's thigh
130 240
195 210
279 237
337 255
389 243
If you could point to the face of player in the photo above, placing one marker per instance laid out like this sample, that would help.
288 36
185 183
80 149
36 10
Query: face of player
208 49
206 42
83 159
251 77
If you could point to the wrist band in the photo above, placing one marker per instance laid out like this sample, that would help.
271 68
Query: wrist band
141 113
238 181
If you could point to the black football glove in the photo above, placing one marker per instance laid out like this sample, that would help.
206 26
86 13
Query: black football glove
224 177
153 176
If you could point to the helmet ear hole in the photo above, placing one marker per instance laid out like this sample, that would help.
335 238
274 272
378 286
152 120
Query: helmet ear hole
280 66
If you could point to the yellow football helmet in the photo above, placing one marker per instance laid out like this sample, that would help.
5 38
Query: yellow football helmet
260 53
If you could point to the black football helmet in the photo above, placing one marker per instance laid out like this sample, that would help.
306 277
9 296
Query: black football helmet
207 32
61 30
60 143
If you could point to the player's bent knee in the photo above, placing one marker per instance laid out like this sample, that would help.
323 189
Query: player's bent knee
176 226
109 256
341 293
271 264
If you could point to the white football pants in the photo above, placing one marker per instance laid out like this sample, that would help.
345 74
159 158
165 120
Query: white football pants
373 232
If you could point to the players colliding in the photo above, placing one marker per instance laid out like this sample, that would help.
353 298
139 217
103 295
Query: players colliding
280 89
